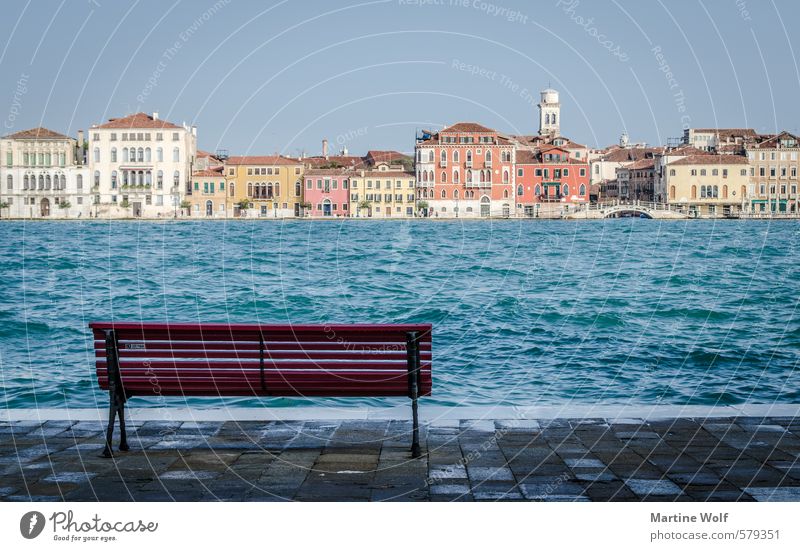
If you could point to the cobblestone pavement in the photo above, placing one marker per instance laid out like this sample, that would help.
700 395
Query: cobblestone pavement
728 459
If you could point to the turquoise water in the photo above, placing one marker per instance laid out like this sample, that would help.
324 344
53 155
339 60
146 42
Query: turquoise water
615 311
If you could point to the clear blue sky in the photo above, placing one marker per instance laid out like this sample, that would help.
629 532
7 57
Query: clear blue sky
278 76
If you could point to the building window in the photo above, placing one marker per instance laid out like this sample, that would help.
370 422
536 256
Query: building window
582 190
10 182
176 155
97 154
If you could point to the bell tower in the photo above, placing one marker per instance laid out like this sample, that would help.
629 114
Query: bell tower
549 114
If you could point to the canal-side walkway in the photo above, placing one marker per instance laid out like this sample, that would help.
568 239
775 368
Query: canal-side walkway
746 453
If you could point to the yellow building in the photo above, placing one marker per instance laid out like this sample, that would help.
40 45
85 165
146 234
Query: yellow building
208 195
269 186
383 192
708 185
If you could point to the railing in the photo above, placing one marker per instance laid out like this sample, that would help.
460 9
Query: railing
637 205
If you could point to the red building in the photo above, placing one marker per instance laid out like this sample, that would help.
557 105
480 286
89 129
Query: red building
465 170
549 176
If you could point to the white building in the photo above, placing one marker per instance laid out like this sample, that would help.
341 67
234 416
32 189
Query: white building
43 175
140 166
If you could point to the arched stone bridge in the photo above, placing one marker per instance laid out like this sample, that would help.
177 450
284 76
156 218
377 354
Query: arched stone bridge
622 210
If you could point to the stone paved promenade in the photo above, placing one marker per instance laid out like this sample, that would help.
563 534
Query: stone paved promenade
741 458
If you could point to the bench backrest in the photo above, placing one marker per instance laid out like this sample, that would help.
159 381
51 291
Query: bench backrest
262 360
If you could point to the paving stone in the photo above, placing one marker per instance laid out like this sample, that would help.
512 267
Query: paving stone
481 474
596 463
70 477
774 494
646 487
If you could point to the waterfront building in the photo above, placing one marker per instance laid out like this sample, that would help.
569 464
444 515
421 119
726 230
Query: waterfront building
635 181
140 166
548 181
209 197
327 192
603 167
465 170
773 181
719 140
387 191
708 185
266 185
43 175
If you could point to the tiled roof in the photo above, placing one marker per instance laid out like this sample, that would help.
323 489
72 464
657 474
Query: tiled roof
641 164
343 160
207 173
138 120
37 134
467 127
728 132
375 156
772 141
262 160
710 160
626 155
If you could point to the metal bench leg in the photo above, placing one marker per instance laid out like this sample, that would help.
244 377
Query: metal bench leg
123 442
415 449
112 411
412 345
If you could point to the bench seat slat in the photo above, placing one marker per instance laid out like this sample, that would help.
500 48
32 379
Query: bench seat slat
130 355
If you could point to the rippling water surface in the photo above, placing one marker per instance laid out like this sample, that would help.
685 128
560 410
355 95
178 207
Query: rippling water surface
616 311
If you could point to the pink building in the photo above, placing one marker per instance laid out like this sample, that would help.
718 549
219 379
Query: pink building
327 192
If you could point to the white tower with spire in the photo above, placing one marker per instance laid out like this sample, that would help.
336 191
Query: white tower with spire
549 113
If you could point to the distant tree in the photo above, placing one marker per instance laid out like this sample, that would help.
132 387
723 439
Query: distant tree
3 206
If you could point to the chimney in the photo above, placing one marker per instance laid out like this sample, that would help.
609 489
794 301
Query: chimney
325 148
155 115
80 138
194 131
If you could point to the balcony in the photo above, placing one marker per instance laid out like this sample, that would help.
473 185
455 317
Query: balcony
443 164
468 164
488 164
549 198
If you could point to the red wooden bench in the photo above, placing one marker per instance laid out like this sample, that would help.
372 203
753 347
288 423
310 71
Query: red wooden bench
216 359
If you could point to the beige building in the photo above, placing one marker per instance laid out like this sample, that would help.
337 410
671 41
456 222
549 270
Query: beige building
708 185
208 197
383 192
270 185
773 182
